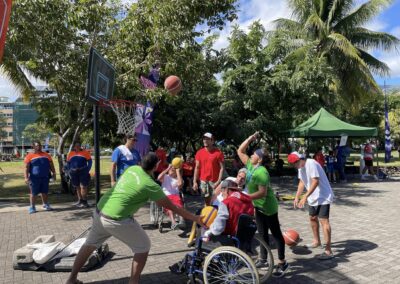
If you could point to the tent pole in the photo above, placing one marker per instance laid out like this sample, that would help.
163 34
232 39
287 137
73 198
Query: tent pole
377 157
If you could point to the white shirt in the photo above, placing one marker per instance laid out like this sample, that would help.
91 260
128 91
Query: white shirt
323 194
170 185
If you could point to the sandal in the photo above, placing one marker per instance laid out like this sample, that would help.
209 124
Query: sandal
325 256
312 246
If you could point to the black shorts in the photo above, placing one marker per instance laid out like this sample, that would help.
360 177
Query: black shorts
368 163
322 211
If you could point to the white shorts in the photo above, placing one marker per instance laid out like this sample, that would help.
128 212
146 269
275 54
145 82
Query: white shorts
127 231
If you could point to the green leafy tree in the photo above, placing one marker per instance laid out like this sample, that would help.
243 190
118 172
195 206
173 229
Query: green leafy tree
258 94
156 32
50 40
38 132
334 30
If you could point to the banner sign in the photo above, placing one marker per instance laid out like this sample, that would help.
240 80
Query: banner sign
5 11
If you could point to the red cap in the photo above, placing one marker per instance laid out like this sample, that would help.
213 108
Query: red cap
294 157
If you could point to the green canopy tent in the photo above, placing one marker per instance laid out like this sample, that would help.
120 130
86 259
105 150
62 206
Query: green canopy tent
324 124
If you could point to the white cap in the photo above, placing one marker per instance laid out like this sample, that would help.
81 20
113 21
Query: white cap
208 135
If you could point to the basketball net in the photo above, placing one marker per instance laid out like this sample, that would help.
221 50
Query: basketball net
125 111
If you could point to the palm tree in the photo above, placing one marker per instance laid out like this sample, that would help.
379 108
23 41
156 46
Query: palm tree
334 30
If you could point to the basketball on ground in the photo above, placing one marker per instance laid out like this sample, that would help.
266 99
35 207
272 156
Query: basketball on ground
173 85
177 163
291 237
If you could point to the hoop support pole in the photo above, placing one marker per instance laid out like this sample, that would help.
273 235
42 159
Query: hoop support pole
96 151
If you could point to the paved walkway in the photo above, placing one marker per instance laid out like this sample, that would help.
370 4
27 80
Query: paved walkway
365 233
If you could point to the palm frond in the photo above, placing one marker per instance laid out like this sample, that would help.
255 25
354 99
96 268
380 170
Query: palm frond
362 15
287 24
300 8
337 10
13 71
324 9
298 54
364 38
347 49
375 65
315 25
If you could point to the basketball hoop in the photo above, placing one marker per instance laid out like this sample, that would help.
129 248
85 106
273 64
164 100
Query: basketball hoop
125 111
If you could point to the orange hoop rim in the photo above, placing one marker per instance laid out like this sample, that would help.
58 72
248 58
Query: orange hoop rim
115 102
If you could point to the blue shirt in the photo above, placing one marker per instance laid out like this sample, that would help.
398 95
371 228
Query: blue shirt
39 164
79 160
122 161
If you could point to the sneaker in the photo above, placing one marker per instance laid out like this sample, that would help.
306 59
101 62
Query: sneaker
261 263
177 268
32 210
281 269
363 177
47 207
78 204
84 204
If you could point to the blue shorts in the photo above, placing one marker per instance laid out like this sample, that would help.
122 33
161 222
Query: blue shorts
80 178
39 185
330 168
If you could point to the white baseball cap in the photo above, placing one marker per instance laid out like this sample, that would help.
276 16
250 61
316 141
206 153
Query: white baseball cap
208 135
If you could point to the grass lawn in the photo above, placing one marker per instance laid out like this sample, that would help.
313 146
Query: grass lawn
13 187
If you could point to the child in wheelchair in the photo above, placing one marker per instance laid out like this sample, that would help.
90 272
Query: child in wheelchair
172 183
224 229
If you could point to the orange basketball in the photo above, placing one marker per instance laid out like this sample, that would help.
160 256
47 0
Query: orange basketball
173 85
291 237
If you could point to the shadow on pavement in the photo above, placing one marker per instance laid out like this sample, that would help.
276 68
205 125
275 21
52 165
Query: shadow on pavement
159 277
342 251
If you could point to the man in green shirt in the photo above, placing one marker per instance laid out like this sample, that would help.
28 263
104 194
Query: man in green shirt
264 201
114 216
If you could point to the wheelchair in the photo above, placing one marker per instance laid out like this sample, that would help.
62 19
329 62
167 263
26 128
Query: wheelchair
228 259
157 216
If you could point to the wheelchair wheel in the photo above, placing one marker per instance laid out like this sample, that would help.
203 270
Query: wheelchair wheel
257 243
229 265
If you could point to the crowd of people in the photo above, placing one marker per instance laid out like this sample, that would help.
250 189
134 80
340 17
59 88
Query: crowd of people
135 180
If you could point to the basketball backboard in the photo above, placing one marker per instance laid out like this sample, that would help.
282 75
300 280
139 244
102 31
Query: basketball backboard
101 76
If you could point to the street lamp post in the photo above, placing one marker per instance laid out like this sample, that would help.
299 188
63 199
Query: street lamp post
23 150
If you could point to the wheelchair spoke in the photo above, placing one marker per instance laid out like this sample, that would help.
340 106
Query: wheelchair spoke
229 268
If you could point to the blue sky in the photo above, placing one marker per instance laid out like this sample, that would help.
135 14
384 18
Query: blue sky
268 10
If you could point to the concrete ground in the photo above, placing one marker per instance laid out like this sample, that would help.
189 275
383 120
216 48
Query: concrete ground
365 232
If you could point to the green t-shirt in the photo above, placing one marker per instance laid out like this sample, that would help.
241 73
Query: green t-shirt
259 176
133 189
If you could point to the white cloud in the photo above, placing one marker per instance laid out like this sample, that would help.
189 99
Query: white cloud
392 59
266 11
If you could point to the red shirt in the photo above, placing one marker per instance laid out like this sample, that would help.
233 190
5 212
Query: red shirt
319 157
237 204
368 152
188 168
162 156
209 163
